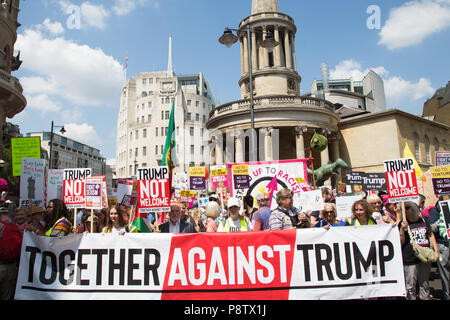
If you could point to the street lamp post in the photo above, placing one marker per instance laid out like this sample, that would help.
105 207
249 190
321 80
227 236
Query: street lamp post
51 142
228 39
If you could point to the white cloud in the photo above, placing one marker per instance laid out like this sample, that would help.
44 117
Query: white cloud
67 71
93 15
124 7
43 103
411 23
398 90
83 133
55 28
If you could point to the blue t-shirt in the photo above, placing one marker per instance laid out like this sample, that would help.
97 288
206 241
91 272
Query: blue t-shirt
323 223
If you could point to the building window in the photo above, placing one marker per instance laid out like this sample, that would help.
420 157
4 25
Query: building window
137 134
416 146
144 81
142 119
137 120
189 102
191 131
167 115
150 80
202 150
144 133
149 105
427 149
162 149
162 115
192 149
162 132
436 144
144 151
131 136
149 118
156 150
197 103
131 153
204 118
156 131
136 152
189 116
197 117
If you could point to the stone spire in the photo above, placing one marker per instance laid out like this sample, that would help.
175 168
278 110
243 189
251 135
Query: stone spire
259 6
169 64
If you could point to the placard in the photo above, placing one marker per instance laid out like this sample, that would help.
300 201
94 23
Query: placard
445 214
344 205
401 180
442 158
368 181
93 193
74 189
309 200
55 178
197 178
29 147
441 179
153 189
32 182
219 178
241 179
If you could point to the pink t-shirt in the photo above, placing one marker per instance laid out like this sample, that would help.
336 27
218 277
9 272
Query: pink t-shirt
210 223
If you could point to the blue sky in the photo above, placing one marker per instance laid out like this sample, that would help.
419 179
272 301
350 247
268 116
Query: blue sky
74 51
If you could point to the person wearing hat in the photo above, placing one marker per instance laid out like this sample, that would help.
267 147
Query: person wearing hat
260 219
36 224
235 222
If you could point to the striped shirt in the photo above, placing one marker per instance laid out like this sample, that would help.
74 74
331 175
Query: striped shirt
280 219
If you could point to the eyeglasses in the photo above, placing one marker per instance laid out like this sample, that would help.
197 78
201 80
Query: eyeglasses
328 212
287 197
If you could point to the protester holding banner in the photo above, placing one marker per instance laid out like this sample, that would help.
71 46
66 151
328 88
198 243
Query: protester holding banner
283 217
329 217
260 219
235 222
57 222
416 272
175 224
116 223
361 214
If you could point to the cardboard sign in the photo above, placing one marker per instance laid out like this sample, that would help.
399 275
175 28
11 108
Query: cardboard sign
441 179
55 179
29 147
93 193
344 205
153 189
74 190
241 178
219 177
32 182
308 200
442 158
368 181
445 214
197 178
401 180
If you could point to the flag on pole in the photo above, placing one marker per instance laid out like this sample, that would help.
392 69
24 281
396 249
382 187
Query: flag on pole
141 222
126 61
168 158
408 154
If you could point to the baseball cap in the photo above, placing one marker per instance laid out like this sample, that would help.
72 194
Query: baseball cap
233 201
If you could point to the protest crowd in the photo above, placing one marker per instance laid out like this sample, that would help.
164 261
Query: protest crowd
232 215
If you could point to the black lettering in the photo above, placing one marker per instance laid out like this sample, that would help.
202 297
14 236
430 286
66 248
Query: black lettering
359 259
325 262
116 266
384 258
305 248
151 267
348 261
82 266
133 266
33 251
53 271
62 267
99 253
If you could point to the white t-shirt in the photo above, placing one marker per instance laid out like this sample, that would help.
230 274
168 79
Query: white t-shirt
117 230
174 228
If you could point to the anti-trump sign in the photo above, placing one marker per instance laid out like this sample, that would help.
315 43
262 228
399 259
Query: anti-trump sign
74 187
401 180
298 264
153 189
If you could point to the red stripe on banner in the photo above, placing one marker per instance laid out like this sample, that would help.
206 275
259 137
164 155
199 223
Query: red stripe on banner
225 266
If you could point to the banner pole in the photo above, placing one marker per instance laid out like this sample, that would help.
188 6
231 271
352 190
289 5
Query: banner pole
312 167
75 218
92 220
403 211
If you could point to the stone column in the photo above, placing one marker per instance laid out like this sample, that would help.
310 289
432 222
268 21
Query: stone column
266 51
239 148
254 52
246 69
268 147
212 155
277 51
293 52
287 50
242 57
219 149
300 142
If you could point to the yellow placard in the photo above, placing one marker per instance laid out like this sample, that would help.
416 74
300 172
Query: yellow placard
219 172
197 171
240 169
187 193
440 172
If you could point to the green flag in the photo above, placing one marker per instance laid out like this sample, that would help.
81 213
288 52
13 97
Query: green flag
168 158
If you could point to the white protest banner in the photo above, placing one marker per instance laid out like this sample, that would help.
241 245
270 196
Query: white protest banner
308 200
93 193
344 205
32 182
153 189
74 187
445 214
55 179
287 172
307 264
401 180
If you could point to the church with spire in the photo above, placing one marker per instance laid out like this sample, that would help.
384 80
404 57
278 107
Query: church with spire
143 119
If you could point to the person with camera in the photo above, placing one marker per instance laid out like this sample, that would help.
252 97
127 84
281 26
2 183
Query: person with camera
285 215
